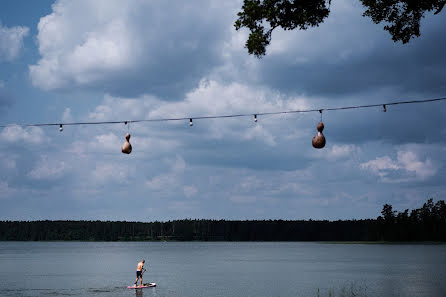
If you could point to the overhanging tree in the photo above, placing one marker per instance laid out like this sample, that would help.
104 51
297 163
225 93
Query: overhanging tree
401 17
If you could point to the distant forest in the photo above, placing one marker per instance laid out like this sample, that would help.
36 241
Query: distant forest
427 223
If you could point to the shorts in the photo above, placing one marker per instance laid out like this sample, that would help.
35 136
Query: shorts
138 274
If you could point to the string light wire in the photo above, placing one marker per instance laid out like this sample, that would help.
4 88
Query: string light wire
320 110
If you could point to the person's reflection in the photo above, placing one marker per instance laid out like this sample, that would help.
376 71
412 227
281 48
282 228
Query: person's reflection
138 292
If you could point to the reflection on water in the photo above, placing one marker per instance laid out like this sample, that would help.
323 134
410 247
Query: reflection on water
138 292
230 269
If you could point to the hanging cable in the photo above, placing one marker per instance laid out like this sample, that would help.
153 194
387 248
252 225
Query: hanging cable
231 115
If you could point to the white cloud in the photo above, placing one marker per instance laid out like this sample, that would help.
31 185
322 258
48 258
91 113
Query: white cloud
380 165
407 166
80 41
66 116
171 180
209 98
107 172
86 43
410 162
260 133
30 135
213 98
11 42
341 151
117 108
48 168
336 39
108 142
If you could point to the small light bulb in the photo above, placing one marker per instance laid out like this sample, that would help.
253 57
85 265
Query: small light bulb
60 128
255 118
190 122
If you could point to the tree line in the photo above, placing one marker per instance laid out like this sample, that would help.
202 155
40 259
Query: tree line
425 224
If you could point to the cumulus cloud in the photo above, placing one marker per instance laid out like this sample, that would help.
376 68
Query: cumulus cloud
171 180
48 168
339 151
410 162
260 133
107 142
407 167
119 108
11 42
94 44
108 172
236 168
209 98
15 133
348 54
212 97
66 116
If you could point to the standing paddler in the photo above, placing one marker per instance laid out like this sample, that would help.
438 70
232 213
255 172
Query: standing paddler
139 270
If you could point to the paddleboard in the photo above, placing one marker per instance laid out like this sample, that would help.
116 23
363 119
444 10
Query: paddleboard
149 285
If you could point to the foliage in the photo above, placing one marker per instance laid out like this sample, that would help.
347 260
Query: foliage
403 16
425 224
261 17
287 14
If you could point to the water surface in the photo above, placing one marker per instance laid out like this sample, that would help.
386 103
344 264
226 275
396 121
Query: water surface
231 269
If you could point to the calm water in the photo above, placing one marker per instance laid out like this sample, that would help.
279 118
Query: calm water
221 269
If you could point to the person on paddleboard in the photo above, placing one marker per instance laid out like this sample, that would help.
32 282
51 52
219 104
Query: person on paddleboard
139 270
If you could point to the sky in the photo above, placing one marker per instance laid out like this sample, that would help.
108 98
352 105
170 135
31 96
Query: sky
109 60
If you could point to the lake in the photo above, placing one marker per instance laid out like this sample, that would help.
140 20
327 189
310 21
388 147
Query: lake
230 269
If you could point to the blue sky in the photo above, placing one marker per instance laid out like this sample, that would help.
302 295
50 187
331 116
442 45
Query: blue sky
65 61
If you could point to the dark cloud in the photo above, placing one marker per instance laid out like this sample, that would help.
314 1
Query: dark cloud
416 123
416 67
253 155
169 77
227 168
